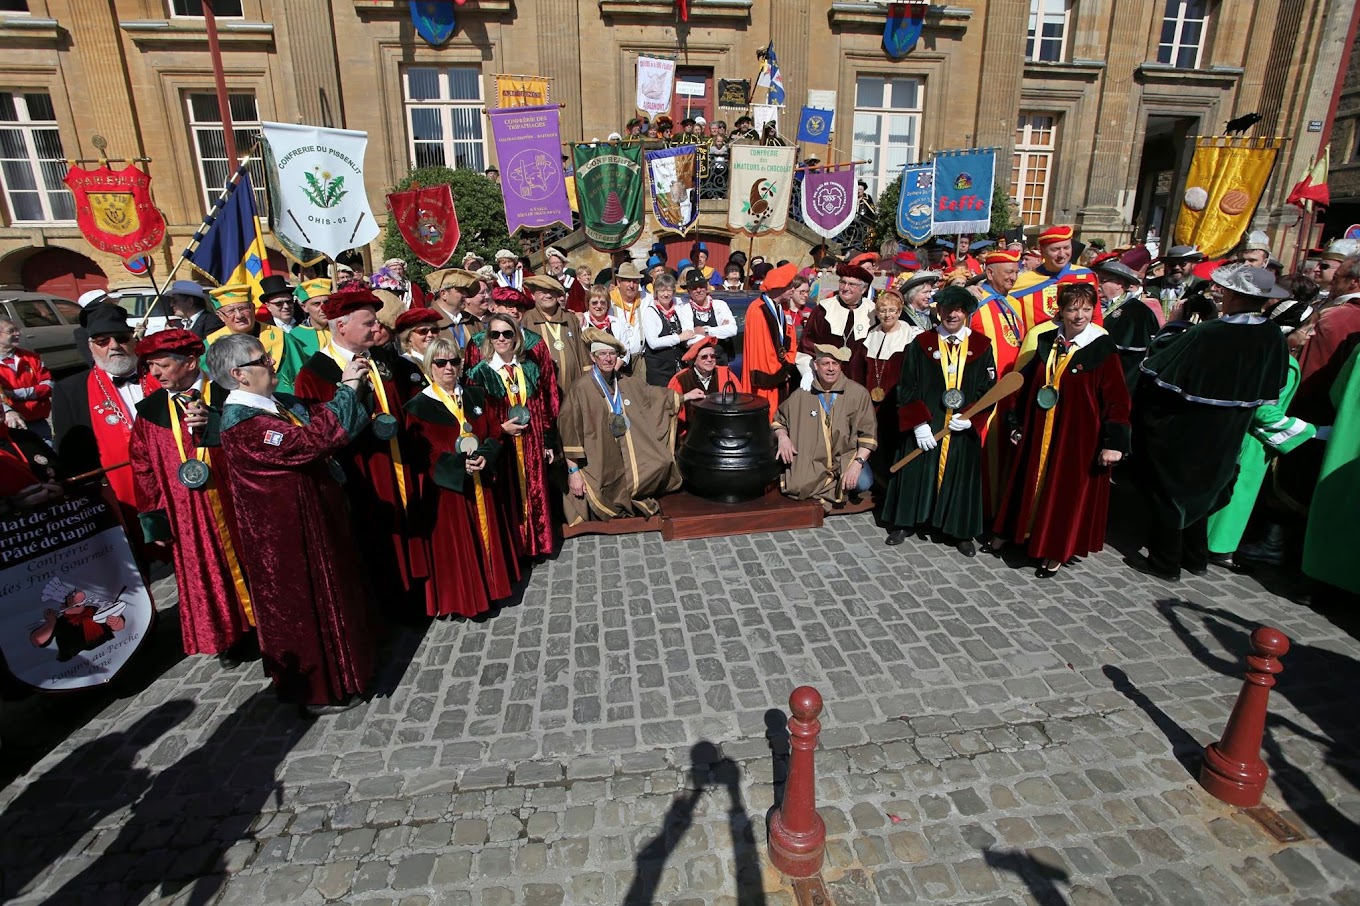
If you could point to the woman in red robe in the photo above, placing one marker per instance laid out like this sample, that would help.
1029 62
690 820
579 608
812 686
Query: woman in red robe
514 386
1071 425
455 445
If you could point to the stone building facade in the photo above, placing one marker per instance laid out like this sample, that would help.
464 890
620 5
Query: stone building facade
1093 102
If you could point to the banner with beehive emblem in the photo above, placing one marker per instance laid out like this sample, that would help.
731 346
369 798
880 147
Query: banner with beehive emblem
1226 180
610 191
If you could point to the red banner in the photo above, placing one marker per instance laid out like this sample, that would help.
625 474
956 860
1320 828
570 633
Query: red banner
114 210
427 221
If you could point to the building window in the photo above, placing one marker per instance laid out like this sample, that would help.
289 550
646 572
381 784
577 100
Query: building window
210 147
1036 138
887 127
13 6
228 9
1047 30
444 116
32 161
1183 30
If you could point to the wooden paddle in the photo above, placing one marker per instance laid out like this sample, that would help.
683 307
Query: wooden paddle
1003 388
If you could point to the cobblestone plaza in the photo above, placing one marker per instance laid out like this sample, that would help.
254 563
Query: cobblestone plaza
617 736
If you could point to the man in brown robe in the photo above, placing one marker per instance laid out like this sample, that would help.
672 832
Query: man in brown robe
550 319
618 436
826 434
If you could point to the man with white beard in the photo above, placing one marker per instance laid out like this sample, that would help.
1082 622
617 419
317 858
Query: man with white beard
93 412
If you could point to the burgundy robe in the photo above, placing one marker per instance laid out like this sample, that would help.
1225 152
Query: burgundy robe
212 614
309 592
396 564
877 371
466 574
1069 516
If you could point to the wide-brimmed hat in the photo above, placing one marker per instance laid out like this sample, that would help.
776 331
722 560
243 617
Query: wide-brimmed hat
1245 280
545 283
627 271
918 279
839 353
188 288
1182 253
1117 268
594 337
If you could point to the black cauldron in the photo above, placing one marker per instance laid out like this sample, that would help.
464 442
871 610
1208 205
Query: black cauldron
728 454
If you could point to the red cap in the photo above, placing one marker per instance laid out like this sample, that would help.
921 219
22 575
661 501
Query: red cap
864 258
779 279
1136 258
508 295
1101 259
907 260
349 300
854 272
693 352
417 316
1001 256
1058 233
176 341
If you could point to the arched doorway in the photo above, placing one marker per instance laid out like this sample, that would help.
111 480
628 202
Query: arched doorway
62 272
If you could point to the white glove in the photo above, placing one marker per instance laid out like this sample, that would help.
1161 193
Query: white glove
805 382
924 438
959 423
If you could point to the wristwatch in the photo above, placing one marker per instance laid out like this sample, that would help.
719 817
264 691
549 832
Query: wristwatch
863 462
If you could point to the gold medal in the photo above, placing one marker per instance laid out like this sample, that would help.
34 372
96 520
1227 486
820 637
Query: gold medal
877 394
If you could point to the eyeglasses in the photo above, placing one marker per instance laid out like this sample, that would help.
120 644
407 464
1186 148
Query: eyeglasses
122 339
264 361
445 363
500 334
426 331
706 355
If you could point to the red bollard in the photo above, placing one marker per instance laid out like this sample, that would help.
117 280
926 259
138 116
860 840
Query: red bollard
1233 770
797 832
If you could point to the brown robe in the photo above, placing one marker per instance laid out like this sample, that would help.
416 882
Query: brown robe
622 474
573 358
822 459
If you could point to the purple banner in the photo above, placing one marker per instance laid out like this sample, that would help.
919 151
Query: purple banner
829 200
529 150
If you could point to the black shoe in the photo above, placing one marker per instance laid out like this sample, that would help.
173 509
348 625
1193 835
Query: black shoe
1197 570
896 537
228 662
1144 566
1045 572
967 548
995 547
311 712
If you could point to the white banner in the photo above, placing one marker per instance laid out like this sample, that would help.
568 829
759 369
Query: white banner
318 176
654 80
821 99
761 187
73 607
762 114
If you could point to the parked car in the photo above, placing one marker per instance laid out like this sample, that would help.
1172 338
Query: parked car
137 301
47 325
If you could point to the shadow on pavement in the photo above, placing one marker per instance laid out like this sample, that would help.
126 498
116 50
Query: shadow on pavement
777 734
708 769
1042 880
182 827
1184 747
1319 683
46 820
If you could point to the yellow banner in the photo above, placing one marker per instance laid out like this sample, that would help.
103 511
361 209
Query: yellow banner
1224 186
521 91
115 212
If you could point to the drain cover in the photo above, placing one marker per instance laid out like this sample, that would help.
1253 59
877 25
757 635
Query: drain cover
1275 825
811 892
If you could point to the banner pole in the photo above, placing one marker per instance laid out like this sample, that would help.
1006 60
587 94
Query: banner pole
219 79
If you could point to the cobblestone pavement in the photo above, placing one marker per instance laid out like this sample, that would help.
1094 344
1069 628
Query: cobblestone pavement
616 737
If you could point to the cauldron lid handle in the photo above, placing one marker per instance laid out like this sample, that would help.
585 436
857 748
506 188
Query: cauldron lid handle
729 388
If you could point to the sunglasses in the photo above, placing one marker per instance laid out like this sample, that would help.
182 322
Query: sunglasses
425 331
445 363
264 361
500 334
122 339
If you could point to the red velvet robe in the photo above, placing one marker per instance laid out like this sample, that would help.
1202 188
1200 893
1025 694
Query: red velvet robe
538 532
466 575
1068 518
212 615
309 590
395 562
880 372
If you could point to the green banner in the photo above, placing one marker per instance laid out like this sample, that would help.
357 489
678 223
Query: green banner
610 193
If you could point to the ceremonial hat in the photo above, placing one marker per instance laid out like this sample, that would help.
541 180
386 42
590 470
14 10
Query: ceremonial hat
627 271
954 297
1256 241
854 272
349 300
918 279
939 242
93 295
693 352
1001 256
695 278
103 318
601 340
188 288
779 279
698 246
1182 253
839 353
663 122
390 262
413 316
1116 268
271 286
1101 258
863 258
457 278
654 261
1137 258
1257 282
470 258
907 260
604 277
176 341
687 121
502 254
311 289
1057 233
553 251
1340 250
545 283
231 294
485 272
890 293
508 295
1289 315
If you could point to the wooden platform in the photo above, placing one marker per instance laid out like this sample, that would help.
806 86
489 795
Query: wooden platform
684 516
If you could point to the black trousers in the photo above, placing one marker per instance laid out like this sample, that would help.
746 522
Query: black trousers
1171 548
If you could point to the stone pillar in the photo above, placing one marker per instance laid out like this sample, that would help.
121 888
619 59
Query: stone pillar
562 58
310 57
1003 64
790 28
97 46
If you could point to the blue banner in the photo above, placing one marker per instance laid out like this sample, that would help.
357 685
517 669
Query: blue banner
903 28
814 125
433 20
913 208
963 191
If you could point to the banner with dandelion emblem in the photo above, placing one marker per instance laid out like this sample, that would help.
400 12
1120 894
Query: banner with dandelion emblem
320 201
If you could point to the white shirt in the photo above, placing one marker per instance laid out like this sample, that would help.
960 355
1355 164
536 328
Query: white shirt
499 363
253 400
429 391
341 352
726 324
131 394
964 331
622 331
1087 334
883 346
1251 317
652 325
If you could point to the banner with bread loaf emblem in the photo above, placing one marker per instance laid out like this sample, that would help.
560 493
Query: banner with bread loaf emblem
1227 177
114 210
